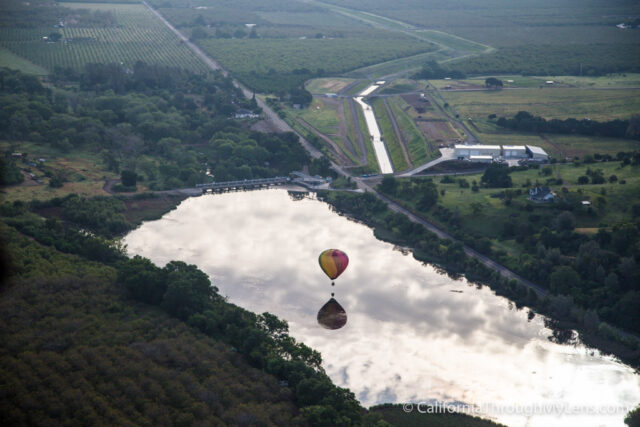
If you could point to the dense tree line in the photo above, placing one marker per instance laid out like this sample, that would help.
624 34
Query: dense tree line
166 125
554 60
433 70
524 121
185 292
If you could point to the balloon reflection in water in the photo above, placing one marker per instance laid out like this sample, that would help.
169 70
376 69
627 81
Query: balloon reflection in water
332 315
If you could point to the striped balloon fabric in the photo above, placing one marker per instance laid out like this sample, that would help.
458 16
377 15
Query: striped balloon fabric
333 262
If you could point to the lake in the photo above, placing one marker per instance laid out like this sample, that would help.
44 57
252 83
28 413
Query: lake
413 334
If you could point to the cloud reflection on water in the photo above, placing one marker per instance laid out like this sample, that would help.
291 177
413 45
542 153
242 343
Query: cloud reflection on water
408 337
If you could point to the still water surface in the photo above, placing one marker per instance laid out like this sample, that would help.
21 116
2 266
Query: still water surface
413 334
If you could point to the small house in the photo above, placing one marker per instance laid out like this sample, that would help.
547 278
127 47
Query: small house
541 194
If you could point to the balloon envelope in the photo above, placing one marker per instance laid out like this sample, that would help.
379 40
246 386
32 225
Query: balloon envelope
333 262
332 315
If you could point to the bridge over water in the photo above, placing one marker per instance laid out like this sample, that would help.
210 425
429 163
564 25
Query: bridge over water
244 184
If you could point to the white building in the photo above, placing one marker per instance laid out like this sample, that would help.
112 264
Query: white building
464 152
481 159
537 153
514 152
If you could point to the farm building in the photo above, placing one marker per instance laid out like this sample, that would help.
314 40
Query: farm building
464 152
537 153
514 151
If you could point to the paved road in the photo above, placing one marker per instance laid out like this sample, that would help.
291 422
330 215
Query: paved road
275 121
444 235
446 154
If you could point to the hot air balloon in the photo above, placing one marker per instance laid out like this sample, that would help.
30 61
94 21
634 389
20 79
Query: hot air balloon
333 262
332 315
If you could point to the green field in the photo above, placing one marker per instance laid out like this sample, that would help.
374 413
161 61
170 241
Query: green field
550 103
416 142
10 60
389 136
138 36
583 101
327 85
351 129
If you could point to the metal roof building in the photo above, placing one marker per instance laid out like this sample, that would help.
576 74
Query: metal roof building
514 151
464 152
537 153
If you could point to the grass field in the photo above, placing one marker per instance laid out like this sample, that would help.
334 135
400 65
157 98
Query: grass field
559 102
10 60
138 35
417 146
389 136
327 85
325 116
351 129
83 170
550 103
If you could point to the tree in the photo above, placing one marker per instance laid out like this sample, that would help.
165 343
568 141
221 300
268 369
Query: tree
9 172
496 176
428 198
143 279
189 290
494 83
564 279
389 185
633 417
583 180
565 221
128 178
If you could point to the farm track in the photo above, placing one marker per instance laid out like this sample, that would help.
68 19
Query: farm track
337 151
398 133
550 142
471 137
